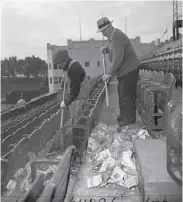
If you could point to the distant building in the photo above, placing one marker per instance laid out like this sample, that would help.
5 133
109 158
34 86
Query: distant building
86 52
54 75
89 56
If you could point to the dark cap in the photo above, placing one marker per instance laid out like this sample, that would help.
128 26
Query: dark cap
60 57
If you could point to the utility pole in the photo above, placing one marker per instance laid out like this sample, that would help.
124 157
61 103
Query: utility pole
125 26
177 18
80 28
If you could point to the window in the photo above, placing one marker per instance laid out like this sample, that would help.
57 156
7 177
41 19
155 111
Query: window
56 79
60 79
50 79
49 65
87 64
98 63
55 66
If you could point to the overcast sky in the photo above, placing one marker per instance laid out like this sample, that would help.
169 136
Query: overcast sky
28 25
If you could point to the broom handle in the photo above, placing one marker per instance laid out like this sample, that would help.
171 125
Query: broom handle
106 94
63 97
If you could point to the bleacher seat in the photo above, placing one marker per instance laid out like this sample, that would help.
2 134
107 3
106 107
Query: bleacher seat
152 95
35 140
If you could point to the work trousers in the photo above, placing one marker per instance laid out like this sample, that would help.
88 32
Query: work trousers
127 95
75 107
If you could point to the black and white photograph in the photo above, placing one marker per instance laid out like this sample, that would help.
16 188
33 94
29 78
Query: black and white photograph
91 101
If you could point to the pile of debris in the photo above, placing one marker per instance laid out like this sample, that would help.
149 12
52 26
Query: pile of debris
110 157
109 162
22 179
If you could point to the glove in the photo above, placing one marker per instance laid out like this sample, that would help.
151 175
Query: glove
62 105
106 77
103 50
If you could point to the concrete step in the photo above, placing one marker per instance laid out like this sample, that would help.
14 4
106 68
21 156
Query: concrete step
154 181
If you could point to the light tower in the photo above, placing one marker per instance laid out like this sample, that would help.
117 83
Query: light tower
177 18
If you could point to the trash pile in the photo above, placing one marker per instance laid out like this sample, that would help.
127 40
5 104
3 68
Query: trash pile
22 179
111 156
110 161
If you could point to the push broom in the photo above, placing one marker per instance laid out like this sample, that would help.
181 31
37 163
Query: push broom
109 111
106 89
62 112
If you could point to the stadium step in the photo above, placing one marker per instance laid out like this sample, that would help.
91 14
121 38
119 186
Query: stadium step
155 183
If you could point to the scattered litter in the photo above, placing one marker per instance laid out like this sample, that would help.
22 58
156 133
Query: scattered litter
112 162
111 181
103 184
106 175
130 171
122 183
111 156
96 164
104 166
25 185
53 168
118 174
59 158
19 172
11 185
94 181
110 159
131 181
117 141
177 174
103 155
99 136
92 145
126 161
143 134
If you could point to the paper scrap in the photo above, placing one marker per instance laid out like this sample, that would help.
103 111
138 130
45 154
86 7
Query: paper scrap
111 162
103 155
126 161
122 183
92 145
11 185
131 181
118 174
111 181
104 166
94 181
142 134
19 172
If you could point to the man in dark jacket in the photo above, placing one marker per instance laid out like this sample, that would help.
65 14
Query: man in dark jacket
78 83
125 66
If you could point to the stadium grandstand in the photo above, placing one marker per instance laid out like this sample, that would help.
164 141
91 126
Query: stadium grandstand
36 151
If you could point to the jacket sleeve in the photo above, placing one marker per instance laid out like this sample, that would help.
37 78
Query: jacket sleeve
118 54
75 77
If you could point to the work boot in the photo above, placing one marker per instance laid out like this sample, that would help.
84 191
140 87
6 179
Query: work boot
119 129
121 125
119 119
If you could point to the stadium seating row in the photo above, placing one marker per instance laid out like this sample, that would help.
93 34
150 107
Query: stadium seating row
10 121
26 129
28 121
154 91
167 58
31 143
24 118
18 155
